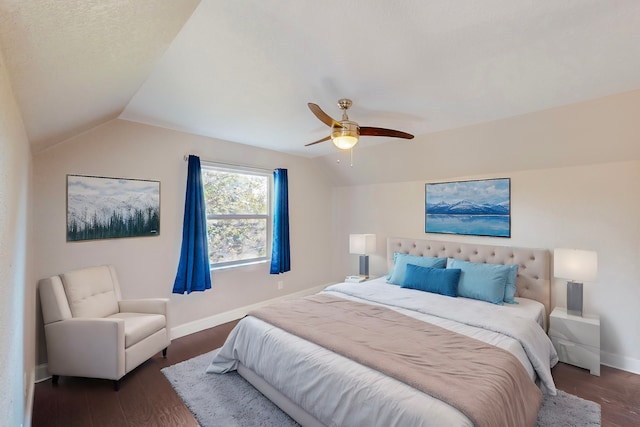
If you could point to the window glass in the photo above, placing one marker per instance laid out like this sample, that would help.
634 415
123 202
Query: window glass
238 214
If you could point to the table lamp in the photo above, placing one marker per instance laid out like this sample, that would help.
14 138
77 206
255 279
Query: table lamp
363 244
576 266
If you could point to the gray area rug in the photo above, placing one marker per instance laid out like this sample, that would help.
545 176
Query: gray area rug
228 400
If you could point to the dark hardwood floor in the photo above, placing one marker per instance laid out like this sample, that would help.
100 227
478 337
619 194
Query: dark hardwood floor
618 392
147 399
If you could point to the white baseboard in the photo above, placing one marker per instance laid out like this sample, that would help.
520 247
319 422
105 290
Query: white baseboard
228 316
42 372
28 404
620 362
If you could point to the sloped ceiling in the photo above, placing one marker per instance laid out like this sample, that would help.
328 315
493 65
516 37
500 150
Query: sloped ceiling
75 64
244 71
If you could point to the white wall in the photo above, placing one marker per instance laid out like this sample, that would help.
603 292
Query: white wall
17 291
575 181
589 207
147 266
570 188
604 130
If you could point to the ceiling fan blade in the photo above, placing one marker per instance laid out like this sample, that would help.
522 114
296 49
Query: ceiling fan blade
371 131
318 141
324 117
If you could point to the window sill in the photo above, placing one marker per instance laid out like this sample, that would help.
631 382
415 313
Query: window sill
243 264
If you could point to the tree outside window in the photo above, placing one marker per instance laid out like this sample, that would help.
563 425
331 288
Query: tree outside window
238 214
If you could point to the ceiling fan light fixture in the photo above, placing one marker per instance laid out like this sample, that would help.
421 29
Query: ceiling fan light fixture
345 133
346 136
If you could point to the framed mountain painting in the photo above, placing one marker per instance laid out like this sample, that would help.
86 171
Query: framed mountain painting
107 208
479 208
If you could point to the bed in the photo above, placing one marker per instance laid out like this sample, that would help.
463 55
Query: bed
318 385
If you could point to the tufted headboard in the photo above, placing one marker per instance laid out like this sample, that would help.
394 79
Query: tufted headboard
533 271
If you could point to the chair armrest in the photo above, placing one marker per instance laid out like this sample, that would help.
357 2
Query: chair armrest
86 347
147 305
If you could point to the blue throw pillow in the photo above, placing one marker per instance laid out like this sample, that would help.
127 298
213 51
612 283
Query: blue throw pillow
485 282
395 258
510 288
443 281
400 267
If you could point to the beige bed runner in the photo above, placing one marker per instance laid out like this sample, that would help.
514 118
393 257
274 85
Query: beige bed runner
486 383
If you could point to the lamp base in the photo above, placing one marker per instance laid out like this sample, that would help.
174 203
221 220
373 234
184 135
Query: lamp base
364 266
574 298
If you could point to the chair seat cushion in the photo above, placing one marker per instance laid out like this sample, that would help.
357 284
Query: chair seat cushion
138 326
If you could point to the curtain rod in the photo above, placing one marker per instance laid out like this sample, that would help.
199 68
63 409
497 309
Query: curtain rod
235 165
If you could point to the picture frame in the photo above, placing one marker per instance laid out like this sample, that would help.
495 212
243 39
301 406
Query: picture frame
475 207
101 207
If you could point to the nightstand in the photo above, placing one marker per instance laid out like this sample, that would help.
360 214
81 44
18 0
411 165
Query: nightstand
576 339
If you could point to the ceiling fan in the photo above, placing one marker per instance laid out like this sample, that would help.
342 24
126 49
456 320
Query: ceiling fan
345 133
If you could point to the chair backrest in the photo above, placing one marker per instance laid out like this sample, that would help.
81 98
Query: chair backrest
92 292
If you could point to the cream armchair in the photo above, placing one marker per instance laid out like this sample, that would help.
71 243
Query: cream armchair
91 332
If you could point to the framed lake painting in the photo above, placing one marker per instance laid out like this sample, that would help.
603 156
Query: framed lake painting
108 208
479 208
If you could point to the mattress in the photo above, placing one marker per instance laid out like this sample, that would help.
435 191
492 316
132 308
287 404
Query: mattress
337 391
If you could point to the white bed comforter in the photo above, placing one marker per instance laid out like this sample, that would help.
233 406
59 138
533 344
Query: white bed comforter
340 392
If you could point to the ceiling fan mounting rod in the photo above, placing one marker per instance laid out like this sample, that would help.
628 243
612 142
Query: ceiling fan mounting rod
344 105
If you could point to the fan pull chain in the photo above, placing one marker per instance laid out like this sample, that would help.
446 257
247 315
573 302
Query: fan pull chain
351 163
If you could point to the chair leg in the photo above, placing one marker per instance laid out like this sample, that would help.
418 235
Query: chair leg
164 352
116 385
54 379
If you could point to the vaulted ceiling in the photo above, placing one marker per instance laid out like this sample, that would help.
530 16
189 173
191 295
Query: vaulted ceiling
244 71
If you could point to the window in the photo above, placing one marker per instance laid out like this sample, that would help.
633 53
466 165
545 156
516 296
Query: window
238 214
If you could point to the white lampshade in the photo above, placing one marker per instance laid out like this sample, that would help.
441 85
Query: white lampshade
575 265
362 244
